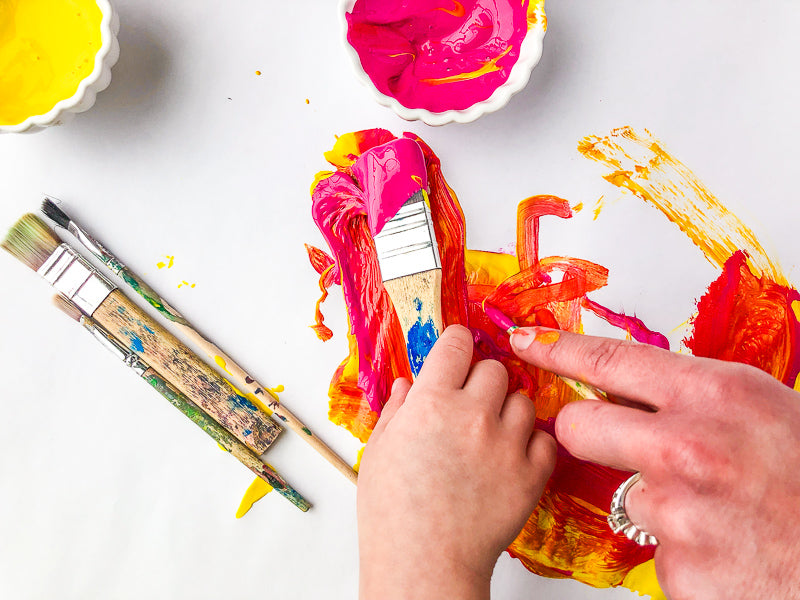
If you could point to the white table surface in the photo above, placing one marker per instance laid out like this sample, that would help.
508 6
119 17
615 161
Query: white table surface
108 492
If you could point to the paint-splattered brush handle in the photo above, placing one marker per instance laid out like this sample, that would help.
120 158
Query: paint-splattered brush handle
417 301
225 439
184 370
241 378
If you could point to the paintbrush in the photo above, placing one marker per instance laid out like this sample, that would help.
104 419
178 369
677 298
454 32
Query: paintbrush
218 433
584 390
412 275
31 242
241 378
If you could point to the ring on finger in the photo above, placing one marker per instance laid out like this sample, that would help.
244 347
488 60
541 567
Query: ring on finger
620 522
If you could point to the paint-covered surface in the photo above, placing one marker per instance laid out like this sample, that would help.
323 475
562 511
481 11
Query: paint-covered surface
748 314
46 48
440 55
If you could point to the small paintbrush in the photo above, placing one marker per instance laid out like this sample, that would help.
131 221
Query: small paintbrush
241 378
218 433
584 390
411 269
36 246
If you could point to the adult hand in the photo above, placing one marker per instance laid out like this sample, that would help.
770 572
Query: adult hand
718 447
450 474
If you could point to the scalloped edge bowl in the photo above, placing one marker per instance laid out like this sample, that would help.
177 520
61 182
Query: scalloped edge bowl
84 97
530 53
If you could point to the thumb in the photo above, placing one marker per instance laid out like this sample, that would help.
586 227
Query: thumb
396 399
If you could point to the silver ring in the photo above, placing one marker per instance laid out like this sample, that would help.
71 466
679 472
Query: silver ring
619 521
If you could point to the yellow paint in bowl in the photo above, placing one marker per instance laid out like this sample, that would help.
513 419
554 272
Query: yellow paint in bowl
46 48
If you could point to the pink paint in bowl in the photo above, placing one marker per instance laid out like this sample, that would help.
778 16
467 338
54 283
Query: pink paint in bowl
444 60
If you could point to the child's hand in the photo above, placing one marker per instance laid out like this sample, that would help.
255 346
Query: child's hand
451 473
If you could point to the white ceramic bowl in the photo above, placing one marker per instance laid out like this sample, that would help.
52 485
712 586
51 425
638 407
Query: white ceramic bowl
530 53
98 80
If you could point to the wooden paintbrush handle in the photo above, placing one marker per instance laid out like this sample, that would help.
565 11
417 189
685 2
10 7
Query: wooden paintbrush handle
184 370
225 439
269 398
417 301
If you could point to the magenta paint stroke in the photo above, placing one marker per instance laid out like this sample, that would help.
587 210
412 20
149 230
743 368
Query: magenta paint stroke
438 55
374 188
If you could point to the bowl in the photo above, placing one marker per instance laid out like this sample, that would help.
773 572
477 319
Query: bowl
530 51
55 56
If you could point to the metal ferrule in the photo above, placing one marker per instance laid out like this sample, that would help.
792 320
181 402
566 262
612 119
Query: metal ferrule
76 278
115 347
96 248
407 243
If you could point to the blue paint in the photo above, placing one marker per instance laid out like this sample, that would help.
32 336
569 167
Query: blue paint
121 310
136 344
148 330
421 338
247 431
242 402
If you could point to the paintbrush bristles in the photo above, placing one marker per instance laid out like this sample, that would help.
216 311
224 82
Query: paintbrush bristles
51 211
31 241
68 308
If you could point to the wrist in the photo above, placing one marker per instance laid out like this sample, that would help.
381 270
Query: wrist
404 577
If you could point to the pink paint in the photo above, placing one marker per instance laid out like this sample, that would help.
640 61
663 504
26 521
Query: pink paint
434 54
389 175
362 201
499 318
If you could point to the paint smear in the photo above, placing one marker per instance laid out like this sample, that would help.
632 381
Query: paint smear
547 337
257 490
749 314
170 260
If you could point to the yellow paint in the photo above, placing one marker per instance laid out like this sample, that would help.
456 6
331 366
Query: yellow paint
308 101
642 578
489 66
578 207
639 164
357 466
344 150
168 264
222 364
186 283
221 447
536 14
547 337
489 268
257 490
319 177
46 48
258 72
598 206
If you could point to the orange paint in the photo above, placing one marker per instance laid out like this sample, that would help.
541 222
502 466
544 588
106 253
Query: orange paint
547 337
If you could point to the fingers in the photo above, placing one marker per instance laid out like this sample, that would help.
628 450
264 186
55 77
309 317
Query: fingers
448 362
487 384
638 372
518 416
615 436
542 453
396 399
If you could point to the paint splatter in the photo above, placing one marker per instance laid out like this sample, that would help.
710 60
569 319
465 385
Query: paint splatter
749 314
222 364
186 283
258 72
170 260
257 490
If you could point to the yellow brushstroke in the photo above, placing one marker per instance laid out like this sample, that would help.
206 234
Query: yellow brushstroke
257 490
640 165
578 207
357 466
488 67
536 14
489 268
642 578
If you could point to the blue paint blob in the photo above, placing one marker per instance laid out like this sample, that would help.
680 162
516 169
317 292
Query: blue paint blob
242 402
148 330
247 431
136 344
421 338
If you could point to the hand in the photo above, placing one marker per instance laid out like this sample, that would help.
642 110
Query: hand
718 447
450 474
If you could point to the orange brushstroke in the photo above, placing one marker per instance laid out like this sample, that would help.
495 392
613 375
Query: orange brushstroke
547 337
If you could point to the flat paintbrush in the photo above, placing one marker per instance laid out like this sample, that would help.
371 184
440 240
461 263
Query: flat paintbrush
35 245
241 378
412 274
218 433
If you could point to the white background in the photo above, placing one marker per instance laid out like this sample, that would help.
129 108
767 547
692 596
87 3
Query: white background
106 491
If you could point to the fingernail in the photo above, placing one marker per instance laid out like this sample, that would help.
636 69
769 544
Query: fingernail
521 339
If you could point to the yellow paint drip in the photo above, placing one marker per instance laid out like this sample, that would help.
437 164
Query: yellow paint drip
46 48
257 490
357 466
